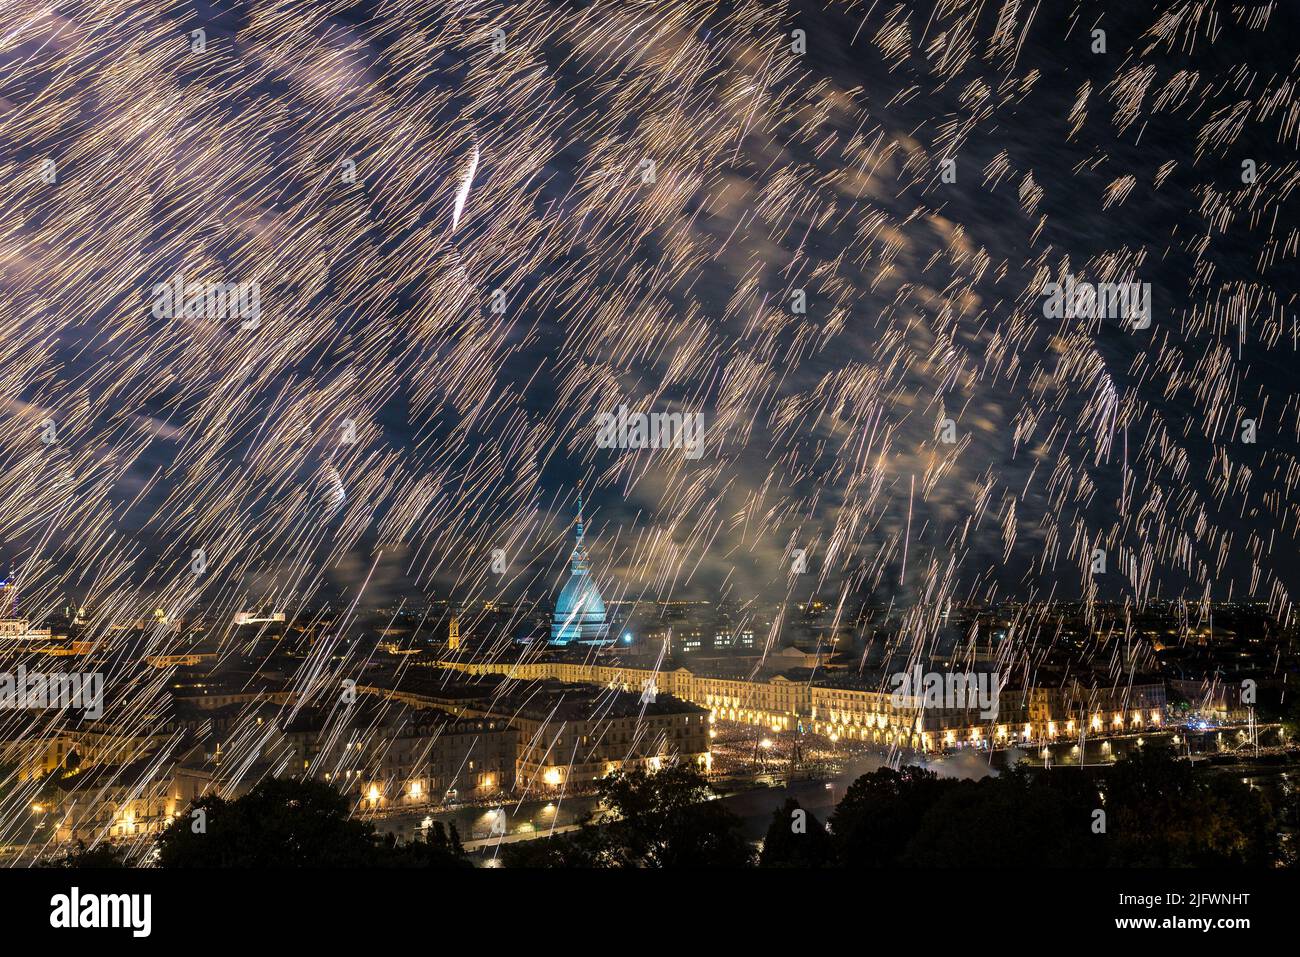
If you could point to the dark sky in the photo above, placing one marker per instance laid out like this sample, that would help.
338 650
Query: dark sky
775 171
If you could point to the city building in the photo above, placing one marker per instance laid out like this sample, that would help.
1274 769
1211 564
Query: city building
116 801
387 754
569 735
579 611
862 709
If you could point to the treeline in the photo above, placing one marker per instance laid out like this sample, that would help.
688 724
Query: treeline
280 824
1149 809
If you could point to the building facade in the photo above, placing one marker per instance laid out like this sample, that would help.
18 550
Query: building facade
846 710
580 616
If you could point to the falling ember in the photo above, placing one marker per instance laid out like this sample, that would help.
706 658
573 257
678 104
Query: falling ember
462 192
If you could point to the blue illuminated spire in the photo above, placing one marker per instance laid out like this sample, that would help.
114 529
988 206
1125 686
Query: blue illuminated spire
578 562
579 610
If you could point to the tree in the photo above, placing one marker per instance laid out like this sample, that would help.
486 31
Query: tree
664 819
1016 819
796 839
101 856
881 811
441 847
583 848
1162 813
288 823
1156 811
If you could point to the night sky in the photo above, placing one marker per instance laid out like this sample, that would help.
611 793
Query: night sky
379 170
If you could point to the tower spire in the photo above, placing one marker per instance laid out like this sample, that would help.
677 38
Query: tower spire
579 611
579 561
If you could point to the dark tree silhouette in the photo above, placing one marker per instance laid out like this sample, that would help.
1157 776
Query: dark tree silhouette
881 811
441 847
796 839
1158 811
1162 813
100 857
664 819
287 823
1017 819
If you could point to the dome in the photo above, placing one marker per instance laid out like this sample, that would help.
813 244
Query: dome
579 611
580 598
